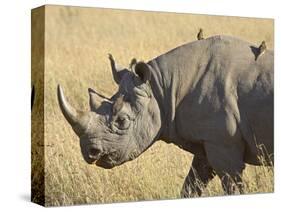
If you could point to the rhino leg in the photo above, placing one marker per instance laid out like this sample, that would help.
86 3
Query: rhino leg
228 164
198 177
232 184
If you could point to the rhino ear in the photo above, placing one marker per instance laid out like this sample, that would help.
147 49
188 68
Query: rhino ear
117 71
143 70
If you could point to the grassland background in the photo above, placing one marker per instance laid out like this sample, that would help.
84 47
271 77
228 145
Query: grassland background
77 41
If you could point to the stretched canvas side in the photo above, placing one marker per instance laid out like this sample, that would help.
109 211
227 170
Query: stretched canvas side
37 113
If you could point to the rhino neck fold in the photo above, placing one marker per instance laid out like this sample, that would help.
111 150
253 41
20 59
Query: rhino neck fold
164 90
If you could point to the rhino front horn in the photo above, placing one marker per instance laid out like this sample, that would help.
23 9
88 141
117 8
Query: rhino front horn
77 119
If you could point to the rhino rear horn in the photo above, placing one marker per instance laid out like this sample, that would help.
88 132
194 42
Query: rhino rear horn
95 99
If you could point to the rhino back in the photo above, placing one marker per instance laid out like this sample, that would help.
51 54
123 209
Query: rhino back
214 84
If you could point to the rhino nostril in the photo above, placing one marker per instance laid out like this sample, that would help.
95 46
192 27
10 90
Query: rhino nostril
94 153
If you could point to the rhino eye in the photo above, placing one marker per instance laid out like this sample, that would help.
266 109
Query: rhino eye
122 123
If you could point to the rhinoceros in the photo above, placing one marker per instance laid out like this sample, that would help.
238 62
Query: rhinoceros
209 97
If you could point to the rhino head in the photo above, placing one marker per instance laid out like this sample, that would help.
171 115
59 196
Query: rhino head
118 129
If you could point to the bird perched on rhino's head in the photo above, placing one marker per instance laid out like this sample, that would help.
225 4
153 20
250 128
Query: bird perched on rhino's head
133 62
200 34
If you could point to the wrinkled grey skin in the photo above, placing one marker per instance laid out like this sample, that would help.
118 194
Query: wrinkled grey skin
209 97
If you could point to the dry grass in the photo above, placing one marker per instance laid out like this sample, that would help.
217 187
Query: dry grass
77 43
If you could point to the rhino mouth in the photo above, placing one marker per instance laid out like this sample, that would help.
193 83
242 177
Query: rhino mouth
107 161
91 161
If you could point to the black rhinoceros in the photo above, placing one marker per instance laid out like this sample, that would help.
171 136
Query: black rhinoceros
209 97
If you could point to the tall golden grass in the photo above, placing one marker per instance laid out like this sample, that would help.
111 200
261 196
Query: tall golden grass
77 42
